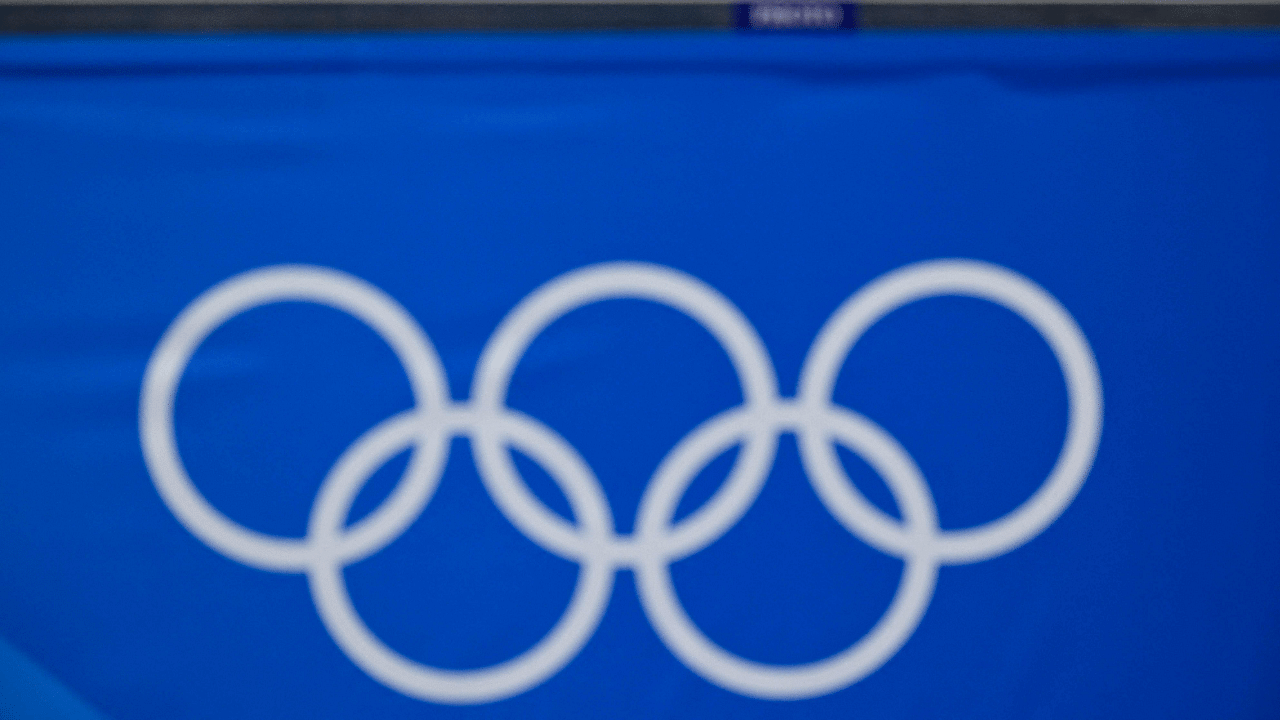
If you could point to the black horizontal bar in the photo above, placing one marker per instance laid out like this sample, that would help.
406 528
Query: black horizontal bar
321 17
1055 15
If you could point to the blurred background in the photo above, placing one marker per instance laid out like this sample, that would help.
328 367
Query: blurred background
452 159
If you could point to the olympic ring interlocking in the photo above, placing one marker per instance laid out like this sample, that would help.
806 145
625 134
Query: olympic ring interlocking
591 541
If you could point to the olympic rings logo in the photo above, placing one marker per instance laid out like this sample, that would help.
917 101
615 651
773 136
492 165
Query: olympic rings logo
493 429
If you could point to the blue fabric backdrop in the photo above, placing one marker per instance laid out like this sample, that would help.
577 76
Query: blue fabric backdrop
1135 177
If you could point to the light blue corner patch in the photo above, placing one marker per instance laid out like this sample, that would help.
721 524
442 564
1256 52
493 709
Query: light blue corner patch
29 692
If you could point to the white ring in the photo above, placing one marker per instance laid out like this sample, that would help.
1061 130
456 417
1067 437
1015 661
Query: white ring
791 682
546 658
610 281
1003 287
223 302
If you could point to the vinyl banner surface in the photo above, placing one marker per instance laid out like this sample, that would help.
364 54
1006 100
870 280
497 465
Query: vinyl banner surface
640 376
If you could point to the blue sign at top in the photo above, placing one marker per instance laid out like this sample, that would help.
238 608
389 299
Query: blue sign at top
641 376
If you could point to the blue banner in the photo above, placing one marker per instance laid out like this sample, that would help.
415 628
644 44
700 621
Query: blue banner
629 376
